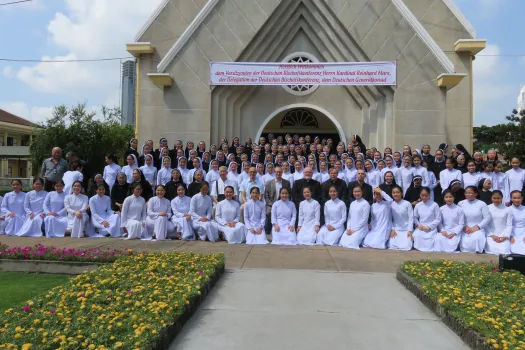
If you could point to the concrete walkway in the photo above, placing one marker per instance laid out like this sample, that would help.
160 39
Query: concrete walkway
242 256
283 309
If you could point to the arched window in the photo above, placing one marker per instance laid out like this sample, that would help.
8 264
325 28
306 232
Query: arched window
299 118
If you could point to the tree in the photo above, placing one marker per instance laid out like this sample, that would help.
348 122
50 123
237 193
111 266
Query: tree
76 129
488 137
513 143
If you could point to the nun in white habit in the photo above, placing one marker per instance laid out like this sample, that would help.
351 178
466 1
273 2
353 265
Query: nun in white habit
227 217
181 218
158 224
357 224
518 224
499 229
427 217
406 174
451 226
13 208
402 222
255 218
477 219
149 170
111 170
103 217
334 218
55 222
284 214
128 169
309 219
2 219
201 207
133 215
34 208
76 205
381 223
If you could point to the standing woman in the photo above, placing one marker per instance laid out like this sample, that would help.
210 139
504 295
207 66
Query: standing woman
501 181
128 169
462 163
181 218
283 220
133 144
406 174
55 222
451 226
103 217
149 170
183 170
287 175
158 223
133 215
402 222
213 172
427 217
111 170
13 208
477 219
499 229
227 216
357 224
119 192
34 208
516 176
309 219
255 218
97 180
380 226
389 183
449 174
334 218
373 177
76 205
164 174
200 210
517 240
471 177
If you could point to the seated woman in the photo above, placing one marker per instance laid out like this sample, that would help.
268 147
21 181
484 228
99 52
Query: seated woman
55 222
427 217
103 217
255 218
201 207
158 224
477 218
119 192
357 224
13 208
402 221
34 208
381 223
139 179
309 219
457 191
451 226
181 218
517 240
133 214
284 214
412 194
500 227
334 218
227 217
76 205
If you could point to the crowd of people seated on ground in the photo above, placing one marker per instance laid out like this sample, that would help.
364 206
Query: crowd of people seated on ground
298 190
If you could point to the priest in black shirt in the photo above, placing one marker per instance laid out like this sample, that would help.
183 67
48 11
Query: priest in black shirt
339 184
368 194
307 181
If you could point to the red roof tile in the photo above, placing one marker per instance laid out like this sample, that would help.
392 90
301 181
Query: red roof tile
13 119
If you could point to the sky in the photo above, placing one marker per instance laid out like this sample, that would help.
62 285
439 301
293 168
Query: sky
90 29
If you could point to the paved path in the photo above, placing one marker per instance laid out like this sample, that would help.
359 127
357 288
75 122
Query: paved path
284 309
317 258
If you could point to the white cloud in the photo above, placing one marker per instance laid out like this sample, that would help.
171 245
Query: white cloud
21 109
7 71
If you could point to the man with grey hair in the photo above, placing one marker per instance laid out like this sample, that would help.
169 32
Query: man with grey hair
53 169
217 188
306 181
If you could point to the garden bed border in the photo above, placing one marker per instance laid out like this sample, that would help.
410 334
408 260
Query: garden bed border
49 266
467 334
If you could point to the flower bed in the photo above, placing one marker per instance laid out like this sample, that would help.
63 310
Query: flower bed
485 307
40 252
139 302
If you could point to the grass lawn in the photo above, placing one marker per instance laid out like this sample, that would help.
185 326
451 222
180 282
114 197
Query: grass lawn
17 287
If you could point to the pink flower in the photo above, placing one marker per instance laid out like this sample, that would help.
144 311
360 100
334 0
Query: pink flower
27 308
51 311
424 272
200 272
495 270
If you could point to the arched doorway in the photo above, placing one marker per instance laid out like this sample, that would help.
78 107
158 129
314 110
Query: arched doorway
302 119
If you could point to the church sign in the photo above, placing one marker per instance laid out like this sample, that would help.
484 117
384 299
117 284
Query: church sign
321 73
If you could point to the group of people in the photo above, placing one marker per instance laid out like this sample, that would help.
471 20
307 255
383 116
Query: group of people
302 190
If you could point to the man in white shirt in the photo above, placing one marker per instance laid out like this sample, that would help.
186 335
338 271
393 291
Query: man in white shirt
217 188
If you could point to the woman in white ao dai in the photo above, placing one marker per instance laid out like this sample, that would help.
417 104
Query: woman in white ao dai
201 213
518 224
334 217
255 218
181 219
133 215
357 224
76 205
284 214
427 217
55 222
381 221
499 229
227 217
309 219
477 218
34 208
13 208
158 223
402 222
103 217
451 226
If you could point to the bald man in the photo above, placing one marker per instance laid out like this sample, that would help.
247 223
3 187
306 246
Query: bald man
306 181
53 169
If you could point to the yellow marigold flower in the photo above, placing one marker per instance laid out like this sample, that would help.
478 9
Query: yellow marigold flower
26 346
17 336
91 346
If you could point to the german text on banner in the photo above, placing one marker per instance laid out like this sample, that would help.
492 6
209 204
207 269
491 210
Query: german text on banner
322 73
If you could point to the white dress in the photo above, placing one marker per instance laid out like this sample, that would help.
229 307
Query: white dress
499 226
179 207
201 207
164 176
471 179
447 176
394 170
73 203
335 215
101 211
358 215
427 214
255 217
126 169
69 178
381 222
350 175
309 217
133 216
476 214
55 226
518 230
33 203
403 223
406 175
213 175
110 174
501 182
160 225
2 220
452 221
230 211
284 215
13 203
150 174
373 178
516 179
423 172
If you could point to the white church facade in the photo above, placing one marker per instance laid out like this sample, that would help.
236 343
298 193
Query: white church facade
431 41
